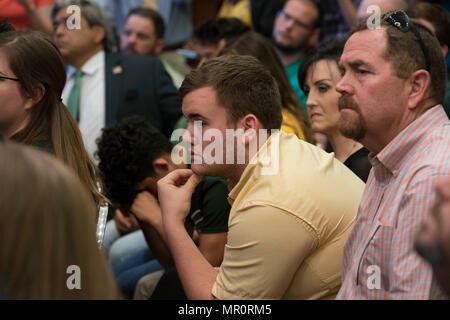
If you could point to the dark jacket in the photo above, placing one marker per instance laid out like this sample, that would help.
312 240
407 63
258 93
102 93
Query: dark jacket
138 85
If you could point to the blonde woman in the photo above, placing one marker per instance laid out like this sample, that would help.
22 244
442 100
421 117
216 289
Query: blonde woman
47 224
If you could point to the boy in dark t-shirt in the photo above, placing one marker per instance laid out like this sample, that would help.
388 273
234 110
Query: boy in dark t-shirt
209 211
133 157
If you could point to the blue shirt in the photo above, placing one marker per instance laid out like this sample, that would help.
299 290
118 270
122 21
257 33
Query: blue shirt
177 15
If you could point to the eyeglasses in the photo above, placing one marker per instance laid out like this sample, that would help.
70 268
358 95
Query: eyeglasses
400 20
288 17
7 78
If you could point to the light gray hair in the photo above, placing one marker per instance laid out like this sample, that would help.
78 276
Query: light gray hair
94 16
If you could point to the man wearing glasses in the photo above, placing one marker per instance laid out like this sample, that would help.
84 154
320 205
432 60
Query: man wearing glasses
296 29
392 90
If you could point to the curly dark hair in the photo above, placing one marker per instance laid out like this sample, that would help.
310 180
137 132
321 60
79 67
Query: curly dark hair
126 151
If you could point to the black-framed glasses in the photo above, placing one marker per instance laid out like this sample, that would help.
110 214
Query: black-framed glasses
8 78
400 20
297 22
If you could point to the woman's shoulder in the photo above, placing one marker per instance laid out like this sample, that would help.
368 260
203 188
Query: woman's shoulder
290 124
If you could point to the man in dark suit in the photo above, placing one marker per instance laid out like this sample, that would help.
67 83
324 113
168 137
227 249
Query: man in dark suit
103 86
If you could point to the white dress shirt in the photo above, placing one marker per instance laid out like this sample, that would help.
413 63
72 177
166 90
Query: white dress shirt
92 101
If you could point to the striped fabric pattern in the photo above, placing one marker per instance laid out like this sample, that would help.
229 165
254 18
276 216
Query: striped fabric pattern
379 257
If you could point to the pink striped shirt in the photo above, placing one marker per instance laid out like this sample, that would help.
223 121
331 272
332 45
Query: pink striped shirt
379 257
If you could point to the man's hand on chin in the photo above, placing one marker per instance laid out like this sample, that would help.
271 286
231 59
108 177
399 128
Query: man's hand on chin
174 194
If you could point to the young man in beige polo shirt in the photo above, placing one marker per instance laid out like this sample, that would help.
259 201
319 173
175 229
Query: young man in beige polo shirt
293 205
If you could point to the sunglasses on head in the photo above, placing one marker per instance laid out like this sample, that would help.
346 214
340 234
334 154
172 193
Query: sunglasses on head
400 20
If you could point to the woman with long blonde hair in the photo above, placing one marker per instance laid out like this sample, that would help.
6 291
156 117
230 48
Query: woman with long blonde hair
48 248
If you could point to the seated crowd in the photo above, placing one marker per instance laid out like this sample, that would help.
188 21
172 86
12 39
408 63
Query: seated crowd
169 157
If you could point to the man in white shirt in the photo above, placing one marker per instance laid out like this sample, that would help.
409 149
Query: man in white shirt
103 86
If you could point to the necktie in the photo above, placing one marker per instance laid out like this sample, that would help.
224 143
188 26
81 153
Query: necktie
74 98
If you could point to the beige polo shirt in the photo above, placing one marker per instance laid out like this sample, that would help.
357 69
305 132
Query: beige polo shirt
288 228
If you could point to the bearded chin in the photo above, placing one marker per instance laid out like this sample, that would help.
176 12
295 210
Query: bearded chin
287 50
352 128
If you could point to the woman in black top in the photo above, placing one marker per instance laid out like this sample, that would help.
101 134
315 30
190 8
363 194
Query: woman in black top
318 76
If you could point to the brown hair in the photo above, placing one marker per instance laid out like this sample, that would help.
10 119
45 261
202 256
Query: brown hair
153 16
253 44
404 52
46 225
242 85
437 15
35 60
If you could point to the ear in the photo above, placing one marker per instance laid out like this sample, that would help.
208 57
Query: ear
314 38
159 46
99 33
419 82
161 167
39 93
251 125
